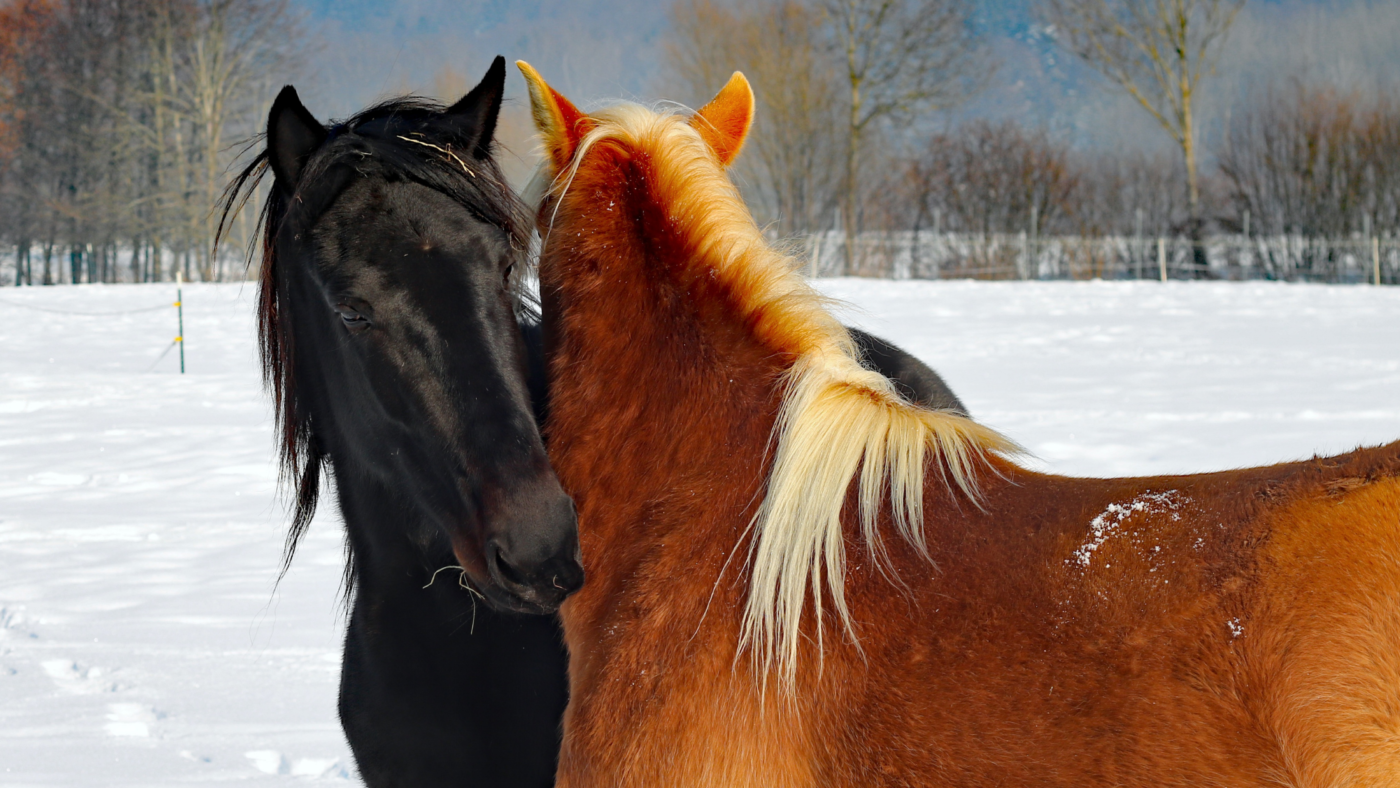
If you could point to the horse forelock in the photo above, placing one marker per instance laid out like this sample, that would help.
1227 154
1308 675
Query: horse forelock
838 422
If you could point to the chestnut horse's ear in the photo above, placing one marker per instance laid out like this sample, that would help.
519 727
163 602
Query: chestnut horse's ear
560 123
293 134
724 122
475 115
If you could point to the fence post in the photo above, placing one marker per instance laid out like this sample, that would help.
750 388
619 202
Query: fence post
180 314
1162 257
1137 242
1032 259
1376 257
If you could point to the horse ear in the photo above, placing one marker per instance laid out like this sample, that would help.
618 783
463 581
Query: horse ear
293 134
475 115
560 123
724 122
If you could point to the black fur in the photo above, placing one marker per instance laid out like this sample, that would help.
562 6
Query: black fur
389 337
912 378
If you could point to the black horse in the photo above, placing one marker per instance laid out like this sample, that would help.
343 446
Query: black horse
388 326
391 331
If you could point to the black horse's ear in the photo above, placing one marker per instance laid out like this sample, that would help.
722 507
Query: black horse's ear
474 117
293 134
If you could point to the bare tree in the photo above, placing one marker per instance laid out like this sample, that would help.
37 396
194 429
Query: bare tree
1314 160
1158 51
1127 193
900 59
989 177
234 46
120 117
787 170
27 115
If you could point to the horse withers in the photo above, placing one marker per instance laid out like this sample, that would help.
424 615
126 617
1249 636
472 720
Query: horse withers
389 294
797 578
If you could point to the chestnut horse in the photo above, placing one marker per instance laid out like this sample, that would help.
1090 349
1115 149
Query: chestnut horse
797 578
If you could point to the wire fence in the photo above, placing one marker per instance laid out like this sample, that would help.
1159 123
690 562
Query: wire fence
117 265
912 254
929 255
178 304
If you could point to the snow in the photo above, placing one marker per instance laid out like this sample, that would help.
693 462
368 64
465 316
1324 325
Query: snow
1143 378
1105 525
143 641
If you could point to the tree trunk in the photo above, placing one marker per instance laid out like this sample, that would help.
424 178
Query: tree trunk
850 226
1200 264
1188 150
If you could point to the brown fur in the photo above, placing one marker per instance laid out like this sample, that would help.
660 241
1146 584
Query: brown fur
1228 629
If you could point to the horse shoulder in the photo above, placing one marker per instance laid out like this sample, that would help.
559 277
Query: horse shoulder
1328 626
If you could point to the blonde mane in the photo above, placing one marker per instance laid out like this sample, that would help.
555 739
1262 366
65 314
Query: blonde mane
838 420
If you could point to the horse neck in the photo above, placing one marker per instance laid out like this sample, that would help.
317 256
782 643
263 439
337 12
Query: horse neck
657 389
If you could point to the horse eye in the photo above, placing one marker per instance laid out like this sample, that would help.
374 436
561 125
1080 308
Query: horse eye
353 320
510 269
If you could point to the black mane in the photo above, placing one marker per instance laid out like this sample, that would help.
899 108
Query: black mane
396 140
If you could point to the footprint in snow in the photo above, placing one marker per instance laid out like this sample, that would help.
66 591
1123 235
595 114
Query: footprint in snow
274 762
66 673
78 679
320 767
131 719
13 621
269 761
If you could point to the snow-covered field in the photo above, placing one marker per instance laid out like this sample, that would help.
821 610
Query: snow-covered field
1137 378
142 641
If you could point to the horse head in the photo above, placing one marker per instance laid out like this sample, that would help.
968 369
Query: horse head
392 254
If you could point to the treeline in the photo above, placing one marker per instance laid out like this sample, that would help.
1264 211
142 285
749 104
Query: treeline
990 178
118 119
1314 160
1299 158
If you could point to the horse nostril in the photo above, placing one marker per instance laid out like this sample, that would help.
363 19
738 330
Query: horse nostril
568 576
504 570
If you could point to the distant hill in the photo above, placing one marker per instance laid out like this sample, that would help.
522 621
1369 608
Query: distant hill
605 49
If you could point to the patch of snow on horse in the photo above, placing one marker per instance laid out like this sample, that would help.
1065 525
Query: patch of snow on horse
1236 629
1103 527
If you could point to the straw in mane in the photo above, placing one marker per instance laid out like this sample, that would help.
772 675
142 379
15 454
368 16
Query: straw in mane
839 422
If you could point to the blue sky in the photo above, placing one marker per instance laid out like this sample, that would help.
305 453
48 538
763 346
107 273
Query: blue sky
605 49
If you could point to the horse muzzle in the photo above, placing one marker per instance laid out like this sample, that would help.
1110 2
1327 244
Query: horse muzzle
536 586
530 558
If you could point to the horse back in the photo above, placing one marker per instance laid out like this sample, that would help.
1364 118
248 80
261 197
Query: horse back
1228 628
